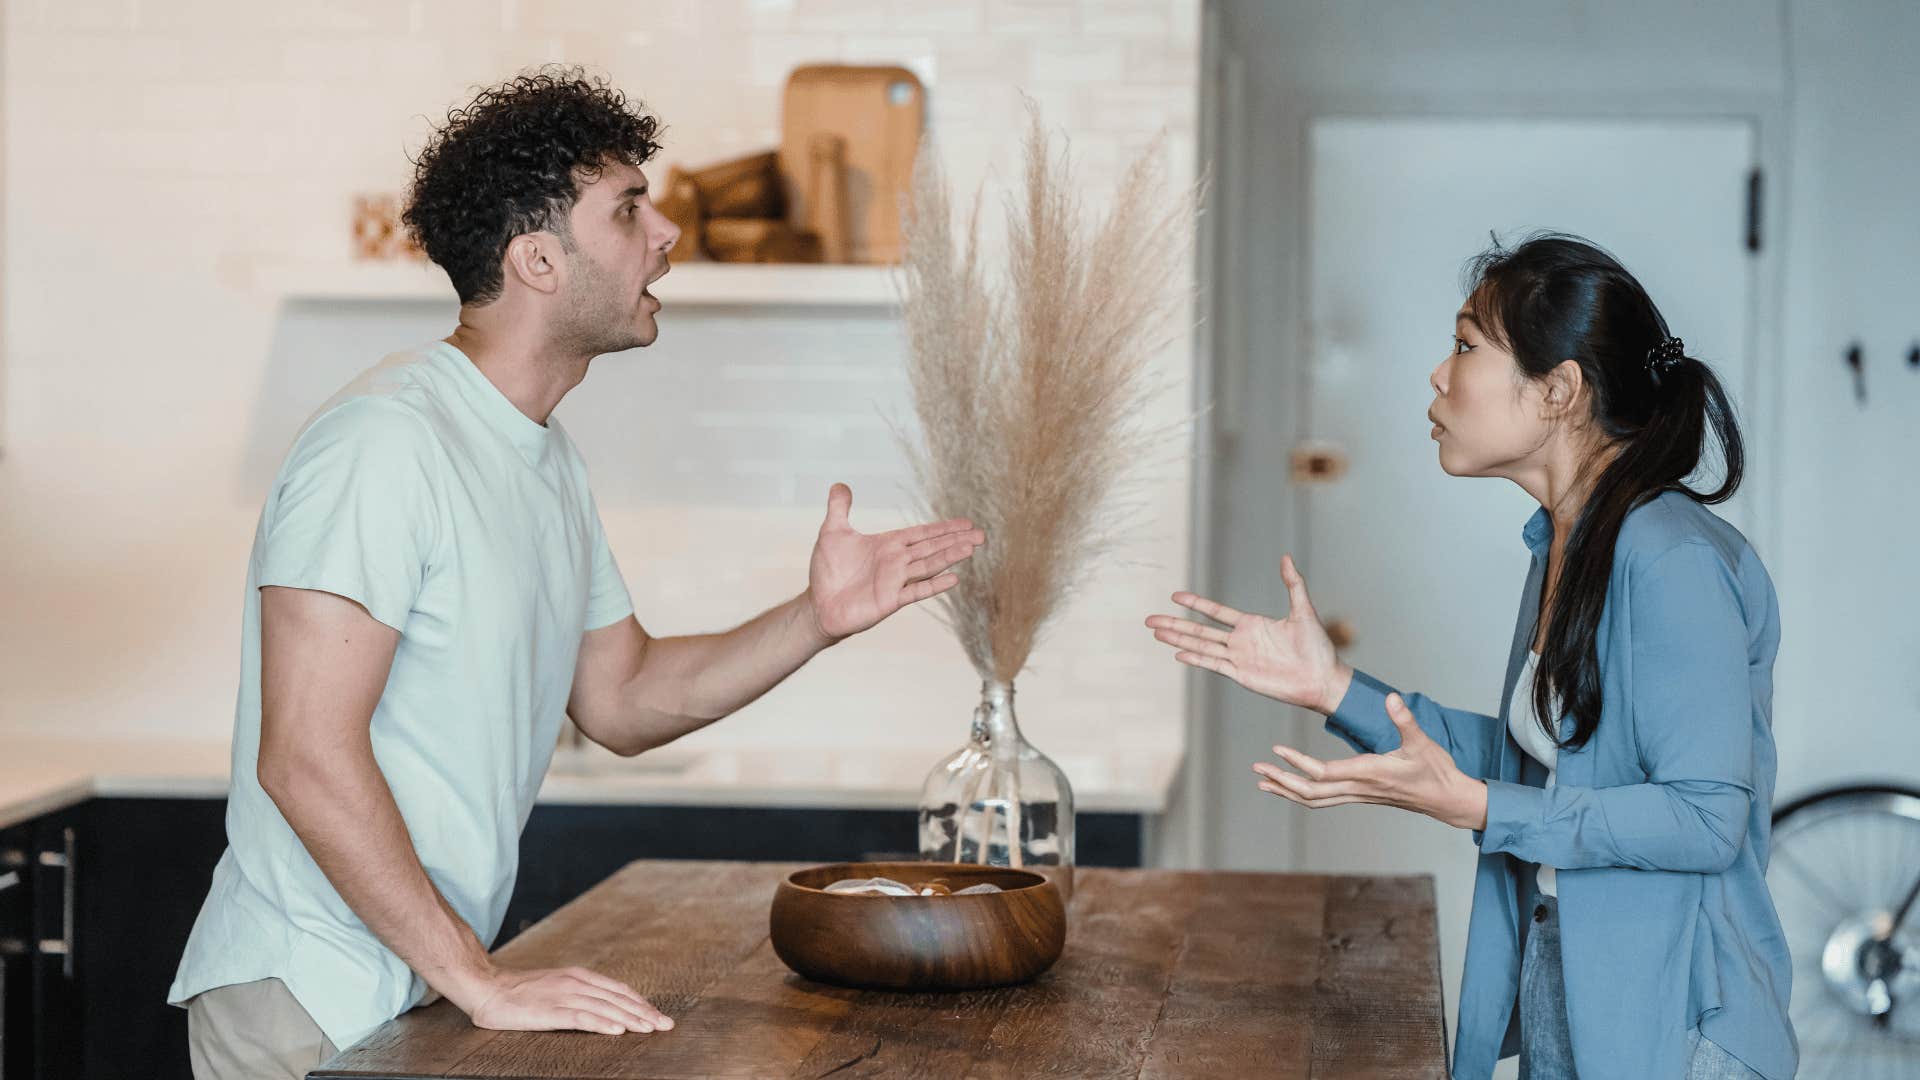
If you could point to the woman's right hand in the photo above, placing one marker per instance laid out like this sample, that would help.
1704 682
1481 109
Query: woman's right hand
1290 660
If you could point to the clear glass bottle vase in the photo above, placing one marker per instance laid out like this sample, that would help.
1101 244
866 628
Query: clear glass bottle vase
999 801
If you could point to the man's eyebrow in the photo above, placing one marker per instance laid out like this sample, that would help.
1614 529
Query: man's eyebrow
632 192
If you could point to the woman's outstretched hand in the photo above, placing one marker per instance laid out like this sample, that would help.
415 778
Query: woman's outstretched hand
1420 776
1290 659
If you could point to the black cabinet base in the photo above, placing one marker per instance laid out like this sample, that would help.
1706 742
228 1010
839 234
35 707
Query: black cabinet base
567 850
142 867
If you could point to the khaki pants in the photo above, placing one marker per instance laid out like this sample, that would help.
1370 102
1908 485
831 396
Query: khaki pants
253 1031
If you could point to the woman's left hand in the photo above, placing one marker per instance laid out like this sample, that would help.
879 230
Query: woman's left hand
1418 776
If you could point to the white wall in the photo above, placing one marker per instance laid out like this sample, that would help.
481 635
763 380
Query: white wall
1848 705
1829 89
152 145
1829 86
1408 58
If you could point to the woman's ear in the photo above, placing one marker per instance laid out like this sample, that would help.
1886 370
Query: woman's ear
1565 387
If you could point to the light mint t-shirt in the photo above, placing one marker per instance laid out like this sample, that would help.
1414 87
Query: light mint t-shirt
422 493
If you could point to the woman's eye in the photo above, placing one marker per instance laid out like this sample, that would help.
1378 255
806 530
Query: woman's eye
1460 346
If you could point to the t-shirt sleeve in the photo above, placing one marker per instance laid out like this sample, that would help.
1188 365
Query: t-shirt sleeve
607 599
355 512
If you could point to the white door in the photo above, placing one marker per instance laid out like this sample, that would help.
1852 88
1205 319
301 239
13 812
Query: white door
1427 568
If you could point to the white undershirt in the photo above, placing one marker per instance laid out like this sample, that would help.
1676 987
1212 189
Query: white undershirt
1523 724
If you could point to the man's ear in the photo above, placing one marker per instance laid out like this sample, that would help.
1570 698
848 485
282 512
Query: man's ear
1565 386
535 260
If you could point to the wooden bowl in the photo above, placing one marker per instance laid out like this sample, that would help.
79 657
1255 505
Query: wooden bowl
918 942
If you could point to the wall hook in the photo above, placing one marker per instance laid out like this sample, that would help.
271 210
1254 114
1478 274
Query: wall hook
1856 362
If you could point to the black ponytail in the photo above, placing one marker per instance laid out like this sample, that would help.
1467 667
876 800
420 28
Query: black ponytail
1556 298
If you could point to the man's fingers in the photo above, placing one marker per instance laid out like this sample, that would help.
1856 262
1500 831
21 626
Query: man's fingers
928 589
625 1018
945 558
630 1009
1187 626
621 990
587 1015
839 504
1189 643
1212 609
920 534
964 533
1297 599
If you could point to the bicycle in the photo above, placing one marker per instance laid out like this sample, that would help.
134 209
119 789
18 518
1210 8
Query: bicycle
1845 877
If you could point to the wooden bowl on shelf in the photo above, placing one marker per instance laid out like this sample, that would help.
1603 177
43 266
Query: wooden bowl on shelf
918 942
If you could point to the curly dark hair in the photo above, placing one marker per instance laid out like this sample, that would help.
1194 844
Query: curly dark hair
512 161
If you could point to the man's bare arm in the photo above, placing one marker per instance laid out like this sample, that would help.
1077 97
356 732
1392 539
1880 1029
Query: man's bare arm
323 665
632 693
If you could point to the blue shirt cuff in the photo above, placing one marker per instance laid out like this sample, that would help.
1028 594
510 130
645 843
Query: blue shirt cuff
1361 718
1509 808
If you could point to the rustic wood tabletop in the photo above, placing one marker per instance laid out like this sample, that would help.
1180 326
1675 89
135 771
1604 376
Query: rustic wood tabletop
1165 974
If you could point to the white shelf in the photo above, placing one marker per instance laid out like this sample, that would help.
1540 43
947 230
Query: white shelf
698 283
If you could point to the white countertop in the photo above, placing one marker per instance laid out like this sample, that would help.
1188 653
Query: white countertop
41 775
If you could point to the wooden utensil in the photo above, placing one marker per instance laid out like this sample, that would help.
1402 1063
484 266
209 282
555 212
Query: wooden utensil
743 187
761 240
879 112
681 204
918 942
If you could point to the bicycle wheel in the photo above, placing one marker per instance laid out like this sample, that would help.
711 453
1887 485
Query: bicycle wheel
1845 874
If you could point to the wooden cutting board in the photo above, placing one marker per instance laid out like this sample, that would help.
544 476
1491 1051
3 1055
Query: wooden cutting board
879 113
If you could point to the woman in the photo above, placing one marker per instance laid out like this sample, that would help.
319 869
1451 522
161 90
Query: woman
1621 925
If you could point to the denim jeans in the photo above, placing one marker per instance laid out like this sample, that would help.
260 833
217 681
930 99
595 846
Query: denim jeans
1546 1050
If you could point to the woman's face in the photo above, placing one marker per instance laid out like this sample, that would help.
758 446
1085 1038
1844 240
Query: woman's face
1488 416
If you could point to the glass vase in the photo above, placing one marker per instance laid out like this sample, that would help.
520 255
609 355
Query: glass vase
998 801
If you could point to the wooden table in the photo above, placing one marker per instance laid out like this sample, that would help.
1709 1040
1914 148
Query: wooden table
1165 974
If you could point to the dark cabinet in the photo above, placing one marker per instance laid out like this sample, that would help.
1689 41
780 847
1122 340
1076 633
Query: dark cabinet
16 954
566 850
39 980
107 892
102 896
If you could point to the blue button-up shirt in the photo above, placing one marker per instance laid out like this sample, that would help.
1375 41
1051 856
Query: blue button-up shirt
1658 826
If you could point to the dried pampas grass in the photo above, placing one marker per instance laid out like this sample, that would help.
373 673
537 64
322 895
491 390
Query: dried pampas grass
1030 391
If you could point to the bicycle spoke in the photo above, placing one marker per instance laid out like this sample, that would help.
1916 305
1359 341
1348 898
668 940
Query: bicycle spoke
1837 907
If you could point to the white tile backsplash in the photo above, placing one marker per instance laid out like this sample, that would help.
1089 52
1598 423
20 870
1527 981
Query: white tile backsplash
147 401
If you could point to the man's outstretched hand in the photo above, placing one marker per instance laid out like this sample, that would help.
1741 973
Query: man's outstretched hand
856 579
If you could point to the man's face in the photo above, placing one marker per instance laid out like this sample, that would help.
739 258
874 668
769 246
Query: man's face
620 247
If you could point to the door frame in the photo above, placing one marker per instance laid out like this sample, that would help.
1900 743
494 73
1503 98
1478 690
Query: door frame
1223 473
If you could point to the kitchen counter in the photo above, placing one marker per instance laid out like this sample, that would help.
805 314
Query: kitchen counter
41 775
1165 974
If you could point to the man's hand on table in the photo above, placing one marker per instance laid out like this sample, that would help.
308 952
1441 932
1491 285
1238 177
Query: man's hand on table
557 999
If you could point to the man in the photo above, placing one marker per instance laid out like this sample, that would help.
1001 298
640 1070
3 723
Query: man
430 592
